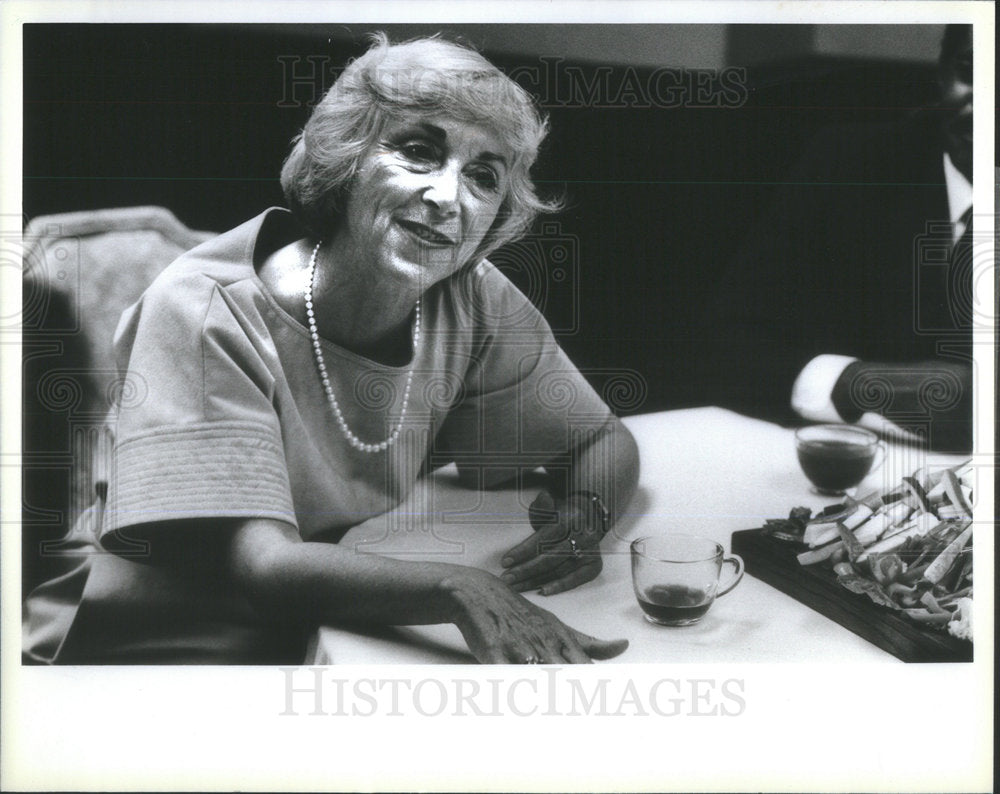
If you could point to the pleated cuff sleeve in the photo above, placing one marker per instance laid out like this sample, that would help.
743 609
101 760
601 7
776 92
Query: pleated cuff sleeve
203 470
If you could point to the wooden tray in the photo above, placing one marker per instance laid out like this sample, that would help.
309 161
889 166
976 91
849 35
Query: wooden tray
774 561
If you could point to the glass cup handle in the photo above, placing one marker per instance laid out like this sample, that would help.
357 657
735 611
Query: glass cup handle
880 454
737 562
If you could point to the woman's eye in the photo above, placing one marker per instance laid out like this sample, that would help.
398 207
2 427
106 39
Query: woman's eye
418 151
485 178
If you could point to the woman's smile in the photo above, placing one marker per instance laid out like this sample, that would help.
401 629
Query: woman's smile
426 234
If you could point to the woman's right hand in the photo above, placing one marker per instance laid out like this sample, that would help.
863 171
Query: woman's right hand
502 627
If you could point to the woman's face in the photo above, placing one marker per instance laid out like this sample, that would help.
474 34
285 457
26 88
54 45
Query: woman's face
426 194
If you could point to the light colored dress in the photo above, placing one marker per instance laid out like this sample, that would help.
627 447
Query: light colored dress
223 416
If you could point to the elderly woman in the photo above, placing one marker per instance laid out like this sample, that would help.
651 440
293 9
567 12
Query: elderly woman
304 369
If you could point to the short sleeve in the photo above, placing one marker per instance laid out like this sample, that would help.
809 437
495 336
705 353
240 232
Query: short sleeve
525 404
197 435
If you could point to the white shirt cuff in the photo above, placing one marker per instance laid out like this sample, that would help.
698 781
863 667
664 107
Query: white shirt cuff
812 393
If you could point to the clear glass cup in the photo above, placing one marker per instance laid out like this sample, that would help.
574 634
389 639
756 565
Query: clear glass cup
837 458
677 577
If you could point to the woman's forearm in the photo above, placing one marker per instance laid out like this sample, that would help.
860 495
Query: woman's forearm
607 464
323 582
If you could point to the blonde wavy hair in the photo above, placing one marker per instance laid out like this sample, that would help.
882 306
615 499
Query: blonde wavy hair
422 77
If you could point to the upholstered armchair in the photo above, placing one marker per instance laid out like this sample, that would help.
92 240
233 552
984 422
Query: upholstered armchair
81 270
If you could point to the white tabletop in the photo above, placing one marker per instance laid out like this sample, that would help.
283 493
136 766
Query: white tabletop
704 471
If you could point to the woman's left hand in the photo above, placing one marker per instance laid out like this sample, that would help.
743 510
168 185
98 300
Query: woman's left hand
563 553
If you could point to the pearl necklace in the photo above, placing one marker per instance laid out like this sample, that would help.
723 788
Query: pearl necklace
354 441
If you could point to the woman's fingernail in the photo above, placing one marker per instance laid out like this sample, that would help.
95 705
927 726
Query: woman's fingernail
506 562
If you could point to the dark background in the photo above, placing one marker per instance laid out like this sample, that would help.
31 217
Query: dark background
658 194
198 119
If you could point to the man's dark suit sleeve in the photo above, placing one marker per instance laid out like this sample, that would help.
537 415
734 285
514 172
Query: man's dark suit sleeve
768 320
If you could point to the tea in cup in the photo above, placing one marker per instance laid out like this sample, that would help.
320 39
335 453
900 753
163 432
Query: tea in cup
677 577
836 457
